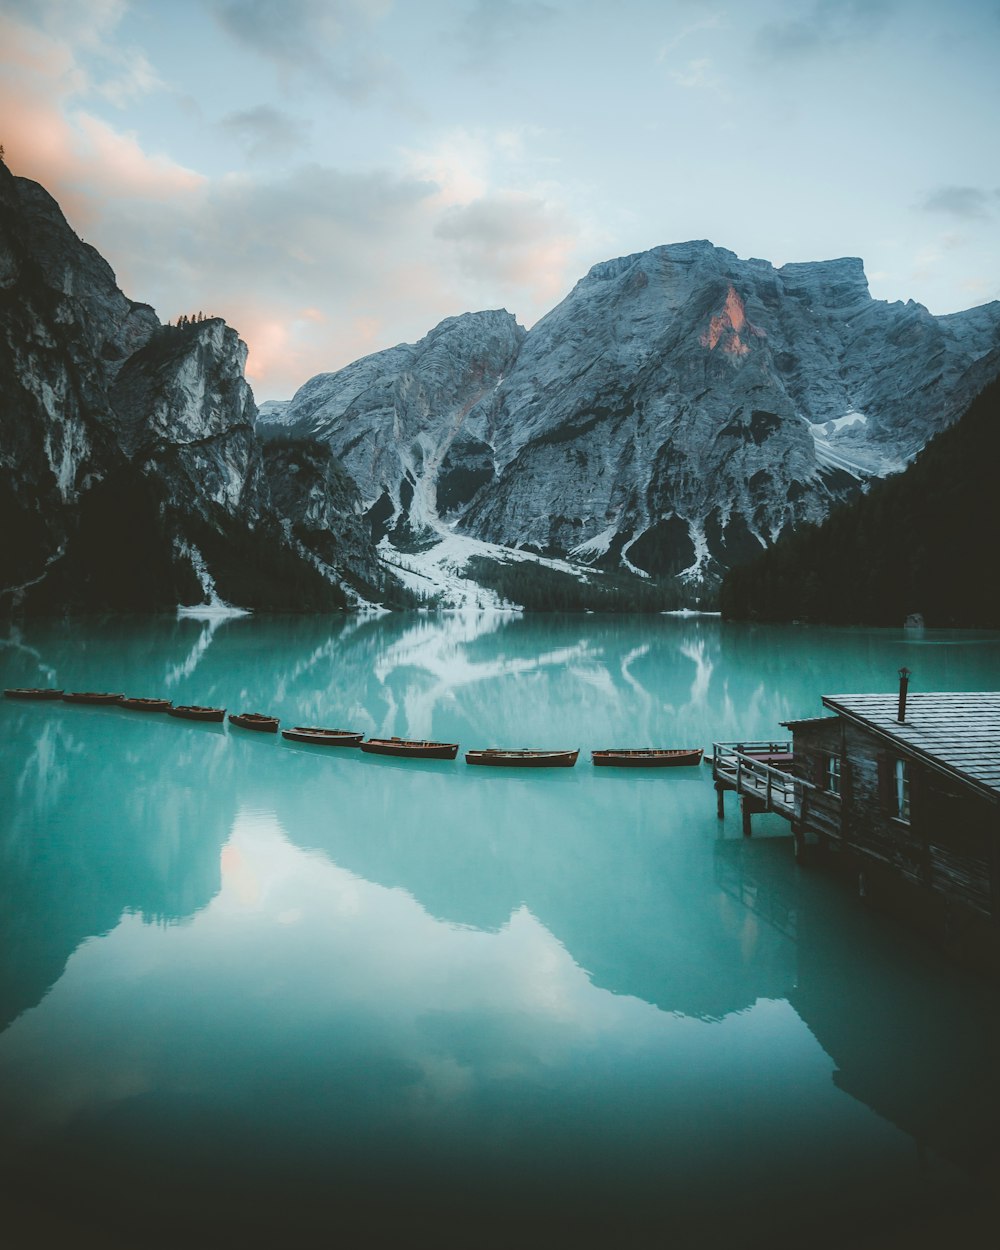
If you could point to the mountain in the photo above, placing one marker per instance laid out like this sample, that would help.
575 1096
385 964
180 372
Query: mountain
923 541
674 415
409 423
130 469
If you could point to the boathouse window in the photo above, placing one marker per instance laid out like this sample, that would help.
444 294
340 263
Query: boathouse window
833 774
901 793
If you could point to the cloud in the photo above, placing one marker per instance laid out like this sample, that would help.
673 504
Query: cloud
306 267
315 265
266 132
968 203
458 165
712 22
827 25
331 41
322 266
69 19
80 159
317 221
313 237
511 239
117 73
492 28
694 74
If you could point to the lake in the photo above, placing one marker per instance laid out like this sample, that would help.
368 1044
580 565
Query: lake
256 991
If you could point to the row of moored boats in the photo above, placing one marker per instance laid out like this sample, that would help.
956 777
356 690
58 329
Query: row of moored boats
405 748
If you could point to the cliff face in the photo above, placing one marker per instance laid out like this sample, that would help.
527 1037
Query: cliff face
58 350
322 513
682 408
409 423
675 414
130 469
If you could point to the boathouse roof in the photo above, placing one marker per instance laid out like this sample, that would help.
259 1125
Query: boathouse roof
956 733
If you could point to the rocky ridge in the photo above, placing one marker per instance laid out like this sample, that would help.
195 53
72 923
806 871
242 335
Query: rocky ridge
674 415
130 469
409 423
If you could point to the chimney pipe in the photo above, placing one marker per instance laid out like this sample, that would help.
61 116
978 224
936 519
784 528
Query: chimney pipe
904 681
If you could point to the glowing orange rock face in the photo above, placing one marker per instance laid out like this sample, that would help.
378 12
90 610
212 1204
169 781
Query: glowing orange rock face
725 327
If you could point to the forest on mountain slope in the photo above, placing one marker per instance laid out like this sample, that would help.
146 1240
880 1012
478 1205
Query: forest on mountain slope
926 541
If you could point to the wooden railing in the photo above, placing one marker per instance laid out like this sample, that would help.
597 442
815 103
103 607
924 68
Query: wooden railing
739 766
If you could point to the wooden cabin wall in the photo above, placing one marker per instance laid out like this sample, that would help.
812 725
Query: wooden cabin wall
956 826
949 844
823 811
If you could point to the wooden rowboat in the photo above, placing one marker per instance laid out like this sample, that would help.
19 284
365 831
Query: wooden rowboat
523 758
647 757
255 720
411 748
90 696
323 737
33 692
193 711
146 705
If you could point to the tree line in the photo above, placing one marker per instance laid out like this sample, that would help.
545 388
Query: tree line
192 319
539 588
923 541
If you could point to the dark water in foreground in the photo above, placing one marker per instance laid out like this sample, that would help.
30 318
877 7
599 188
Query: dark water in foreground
257 993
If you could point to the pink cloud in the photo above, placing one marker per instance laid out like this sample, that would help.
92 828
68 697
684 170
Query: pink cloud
123 168
80 160
520 241
314 267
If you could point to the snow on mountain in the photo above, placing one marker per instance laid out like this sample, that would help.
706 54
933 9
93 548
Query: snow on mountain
673 415
678 411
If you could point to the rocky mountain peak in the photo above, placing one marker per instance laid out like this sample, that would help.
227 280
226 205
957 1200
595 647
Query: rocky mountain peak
185 385
409 423
674 414
831 284
129 466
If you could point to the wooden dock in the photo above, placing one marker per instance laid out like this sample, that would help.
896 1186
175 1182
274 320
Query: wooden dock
900 790
750 769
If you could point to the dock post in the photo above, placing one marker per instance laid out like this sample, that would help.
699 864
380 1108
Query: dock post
745 807
720 806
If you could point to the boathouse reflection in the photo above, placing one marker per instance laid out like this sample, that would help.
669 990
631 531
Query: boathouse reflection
913 1037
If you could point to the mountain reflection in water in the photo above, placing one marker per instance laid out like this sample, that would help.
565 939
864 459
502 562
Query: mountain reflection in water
252 986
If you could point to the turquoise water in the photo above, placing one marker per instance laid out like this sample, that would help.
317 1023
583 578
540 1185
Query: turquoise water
257 991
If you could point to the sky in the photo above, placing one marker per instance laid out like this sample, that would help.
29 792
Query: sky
337 176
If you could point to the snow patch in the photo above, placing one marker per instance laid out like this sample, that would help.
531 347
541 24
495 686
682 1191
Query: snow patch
439 572
864 460
214 611
627 562
826 429
17 592
596 546
213 608
696 570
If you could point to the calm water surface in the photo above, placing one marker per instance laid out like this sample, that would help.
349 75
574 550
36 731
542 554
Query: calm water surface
257 991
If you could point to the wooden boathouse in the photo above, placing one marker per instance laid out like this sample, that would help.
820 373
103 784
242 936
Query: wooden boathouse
902 791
